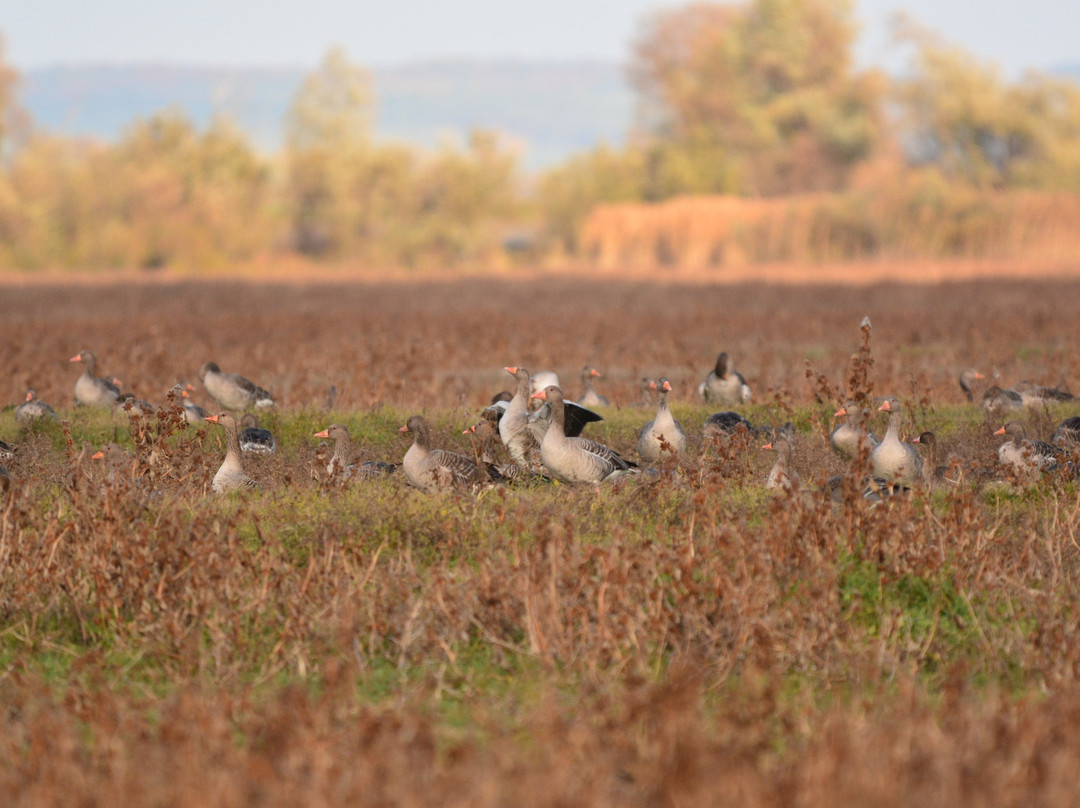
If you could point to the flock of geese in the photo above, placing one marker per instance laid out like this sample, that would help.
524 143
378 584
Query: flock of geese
541 431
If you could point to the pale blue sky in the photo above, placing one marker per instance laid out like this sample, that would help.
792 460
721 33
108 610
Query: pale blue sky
1015 33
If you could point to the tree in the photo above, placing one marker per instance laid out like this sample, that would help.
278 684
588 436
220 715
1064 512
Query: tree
760 98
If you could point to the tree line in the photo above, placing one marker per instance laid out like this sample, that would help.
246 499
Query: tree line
756 100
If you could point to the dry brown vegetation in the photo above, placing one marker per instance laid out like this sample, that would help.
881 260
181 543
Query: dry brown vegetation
682 639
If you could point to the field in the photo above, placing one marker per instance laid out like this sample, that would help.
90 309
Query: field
682 638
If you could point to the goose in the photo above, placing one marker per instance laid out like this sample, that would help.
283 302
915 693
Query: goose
575 459
127 403
91 390
5 480
1035 395
254 438
344 463
590 398
233 391
893 461
725 424
967 381
1026 456
33 408
435 470
7 451
935 476
848 438
231 476
663 432
116 462
997 400
544 378
193 413
648 393
781 476
724 384
1067 432
484 433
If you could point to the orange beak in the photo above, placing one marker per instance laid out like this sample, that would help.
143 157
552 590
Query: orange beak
979 375
324 434
885 407
404 428
594 372
511 370
185 394
211 418
667 386
76 358
652 385
29 396
98 455
542 395
1000 431
839 412
767 446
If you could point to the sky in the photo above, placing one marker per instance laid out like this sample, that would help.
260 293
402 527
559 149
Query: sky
1017 34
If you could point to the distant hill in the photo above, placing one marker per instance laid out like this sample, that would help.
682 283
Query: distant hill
553 109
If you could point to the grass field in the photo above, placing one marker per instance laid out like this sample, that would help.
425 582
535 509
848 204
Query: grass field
683 638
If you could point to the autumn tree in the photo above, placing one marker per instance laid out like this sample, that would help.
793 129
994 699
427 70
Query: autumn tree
756 98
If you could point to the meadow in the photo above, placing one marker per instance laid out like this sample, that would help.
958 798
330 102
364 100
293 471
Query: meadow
680 638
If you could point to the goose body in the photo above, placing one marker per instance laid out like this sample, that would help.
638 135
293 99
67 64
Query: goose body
33 408
343 463
193 413
514 430
575 459
233 391
91 390
230 476
1067 433
434 470
1035 395
725 424
724 384
663 432
893 461
781 476
254 438
1026 456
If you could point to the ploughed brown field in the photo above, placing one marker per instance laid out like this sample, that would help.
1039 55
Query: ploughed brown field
683 638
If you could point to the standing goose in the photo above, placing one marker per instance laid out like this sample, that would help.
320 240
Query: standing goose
574 459
254 438
434 470
849 436
233 391
514 429
781 476
1026 456
231 476
663 432
344 463
590 398
91 390
724 384
33 408
893 461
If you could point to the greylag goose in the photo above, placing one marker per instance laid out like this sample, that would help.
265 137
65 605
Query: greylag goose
893 461
574 459
591 398
545 378
193 413
344 463
724 384
663 432
233 391
648 393
254 438
1026 456
231 476
997 400
33 408
1067 432
935 476
117 463
1035 395
434 470
849 436
725 424
484 434
6 451
967 382
781 476
127 403
91 390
